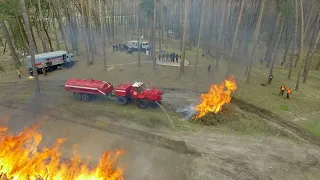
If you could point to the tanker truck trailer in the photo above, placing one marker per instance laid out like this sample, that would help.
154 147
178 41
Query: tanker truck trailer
86 89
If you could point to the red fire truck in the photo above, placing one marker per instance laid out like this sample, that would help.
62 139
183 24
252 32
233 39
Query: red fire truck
85 89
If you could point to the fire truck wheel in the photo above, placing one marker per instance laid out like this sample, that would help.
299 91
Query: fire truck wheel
142 103
85 97
77 95
122 100
49 69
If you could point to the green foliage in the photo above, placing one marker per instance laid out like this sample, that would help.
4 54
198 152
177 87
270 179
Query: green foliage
147 7
286 7
8 9
16 35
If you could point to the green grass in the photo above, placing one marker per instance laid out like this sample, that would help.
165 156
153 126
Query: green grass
299 106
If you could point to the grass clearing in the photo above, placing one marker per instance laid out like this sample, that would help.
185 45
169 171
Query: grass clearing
297 109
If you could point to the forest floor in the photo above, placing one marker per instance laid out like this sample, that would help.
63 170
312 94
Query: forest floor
247 146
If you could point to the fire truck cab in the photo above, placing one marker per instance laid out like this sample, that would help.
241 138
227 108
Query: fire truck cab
127 91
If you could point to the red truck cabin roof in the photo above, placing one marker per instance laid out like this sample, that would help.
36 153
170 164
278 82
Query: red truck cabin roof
88 86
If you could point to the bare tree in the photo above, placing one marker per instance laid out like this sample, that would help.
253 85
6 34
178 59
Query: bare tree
235 38
153 50
31 46
277 44
200 34
138 29
220 38
6 35
103 25
254 41
309 59
185 28
295 39
301 46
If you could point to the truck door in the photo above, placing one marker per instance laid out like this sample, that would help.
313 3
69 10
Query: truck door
64 58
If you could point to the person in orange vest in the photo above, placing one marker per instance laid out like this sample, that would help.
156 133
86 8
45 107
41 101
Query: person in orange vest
289 91
282 89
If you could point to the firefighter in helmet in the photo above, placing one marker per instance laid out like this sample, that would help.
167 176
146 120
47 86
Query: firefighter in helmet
289 91
282 89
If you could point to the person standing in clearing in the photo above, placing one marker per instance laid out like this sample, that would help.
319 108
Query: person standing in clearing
209 68
282 89
19 73
270 78
289 91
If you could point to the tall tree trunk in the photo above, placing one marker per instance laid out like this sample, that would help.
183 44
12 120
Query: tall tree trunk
23 32
138 29
235 38
185 29
277 44
113 19
255 40
301 46
6 35
314 36
288 42
103 26
55 33
153 35
180 24
34 40
309 19
31 47
200 33
295 39
159 26
220 37
310 58
48 37
318 65
56 9
40 28
85 31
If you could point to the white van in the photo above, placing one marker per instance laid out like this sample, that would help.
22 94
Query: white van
144 45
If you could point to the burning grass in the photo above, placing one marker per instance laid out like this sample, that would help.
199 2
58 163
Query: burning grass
210 108
224 116
21 159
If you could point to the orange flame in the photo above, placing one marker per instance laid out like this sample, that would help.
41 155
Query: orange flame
21 160
218 95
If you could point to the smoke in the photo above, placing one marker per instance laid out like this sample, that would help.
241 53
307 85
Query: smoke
188 111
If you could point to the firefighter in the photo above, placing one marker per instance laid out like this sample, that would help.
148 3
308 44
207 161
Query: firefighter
163 56
177 58
44 71
113 47
289 91
159 57
209 68
270 78
19 73
31 71
167 57
282 89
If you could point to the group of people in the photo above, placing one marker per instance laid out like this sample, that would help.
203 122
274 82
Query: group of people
173 57
119 47
283 89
